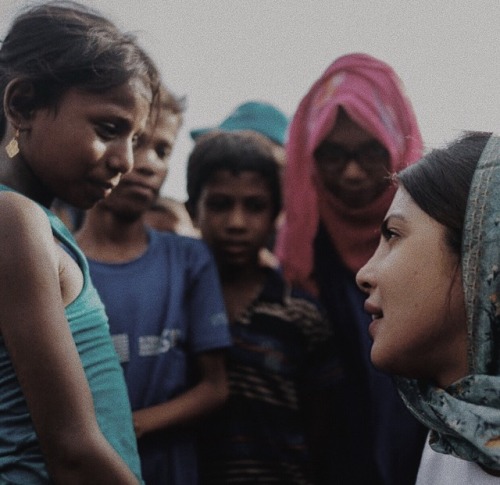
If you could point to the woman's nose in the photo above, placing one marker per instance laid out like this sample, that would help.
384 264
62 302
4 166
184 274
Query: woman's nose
353 170
364 282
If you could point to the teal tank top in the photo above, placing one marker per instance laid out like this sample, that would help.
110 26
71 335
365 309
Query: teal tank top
21 461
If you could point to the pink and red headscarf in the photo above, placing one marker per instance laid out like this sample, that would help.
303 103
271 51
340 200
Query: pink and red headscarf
373 97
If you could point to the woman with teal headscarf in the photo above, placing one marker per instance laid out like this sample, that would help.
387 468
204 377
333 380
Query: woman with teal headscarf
433 290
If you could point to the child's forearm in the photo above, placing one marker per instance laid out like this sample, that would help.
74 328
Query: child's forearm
210 393
185 409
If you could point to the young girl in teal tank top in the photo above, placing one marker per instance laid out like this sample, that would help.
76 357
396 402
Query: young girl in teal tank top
76 93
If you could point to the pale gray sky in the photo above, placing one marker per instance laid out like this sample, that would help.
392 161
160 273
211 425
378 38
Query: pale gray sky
220 53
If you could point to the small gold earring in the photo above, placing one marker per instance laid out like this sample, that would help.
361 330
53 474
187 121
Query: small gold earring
12 148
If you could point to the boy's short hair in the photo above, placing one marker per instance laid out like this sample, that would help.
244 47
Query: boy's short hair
234 151
167 102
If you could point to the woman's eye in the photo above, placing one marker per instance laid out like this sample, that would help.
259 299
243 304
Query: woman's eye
387 232
328 153
375 151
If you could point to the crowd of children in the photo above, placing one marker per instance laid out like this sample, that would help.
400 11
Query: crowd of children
226 342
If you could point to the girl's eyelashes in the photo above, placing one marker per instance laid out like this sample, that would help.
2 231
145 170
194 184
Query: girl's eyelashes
107 130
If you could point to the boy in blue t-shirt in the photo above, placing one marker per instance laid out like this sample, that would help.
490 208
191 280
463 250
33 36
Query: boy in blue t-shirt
165 308
269 431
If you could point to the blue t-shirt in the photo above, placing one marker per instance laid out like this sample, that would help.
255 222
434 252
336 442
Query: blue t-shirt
164 307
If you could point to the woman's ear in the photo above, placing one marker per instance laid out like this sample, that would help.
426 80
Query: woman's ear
19 102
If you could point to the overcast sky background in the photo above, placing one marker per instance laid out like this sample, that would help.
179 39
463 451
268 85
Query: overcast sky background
221 53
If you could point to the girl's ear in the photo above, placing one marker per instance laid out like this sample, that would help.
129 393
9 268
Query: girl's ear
19 102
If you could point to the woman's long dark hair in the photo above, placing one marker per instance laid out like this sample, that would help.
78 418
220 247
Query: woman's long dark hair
440 182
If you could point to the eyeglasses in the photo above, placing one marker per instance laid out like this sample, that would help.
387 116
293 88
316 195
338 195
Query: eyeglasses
331 156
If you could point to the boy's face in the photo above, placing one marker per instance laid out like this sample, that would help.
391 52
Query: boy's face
235 216
138 190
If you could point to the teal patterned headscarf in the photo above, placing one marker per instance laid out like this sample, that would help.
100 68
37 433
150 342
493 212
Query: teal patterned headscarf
465 417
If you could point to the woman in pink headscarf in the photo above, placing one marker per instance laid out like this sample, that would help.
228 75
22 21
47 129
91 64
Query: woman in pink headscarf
350 132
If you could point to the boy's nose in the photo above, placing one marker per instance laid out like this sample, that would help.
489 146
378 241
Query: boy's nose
236 217
146 162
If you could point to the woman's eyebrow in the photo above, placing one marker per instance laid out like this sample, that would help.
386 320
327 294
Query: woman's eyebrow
393 215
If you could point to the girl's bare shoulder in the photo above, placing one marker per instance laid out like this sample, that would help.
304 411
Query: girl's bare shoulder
19 212
24 225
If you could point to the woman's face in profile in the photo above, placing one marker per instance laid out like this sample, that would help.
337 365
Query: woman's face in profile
415 297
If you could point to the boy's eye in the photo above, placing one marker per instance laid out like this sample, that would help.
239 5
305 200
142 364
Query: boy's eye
256 205
163 151
219 204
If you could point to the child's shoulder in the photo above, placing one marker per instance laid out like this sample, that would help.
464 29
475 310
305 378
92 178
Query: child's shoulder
20 214
294 305
291 296
291 292
184 247
173 239
26 233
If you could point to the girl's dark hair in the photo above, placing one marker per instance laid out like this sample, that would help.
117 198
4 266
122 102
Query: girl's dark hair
440 182
236 151
59 45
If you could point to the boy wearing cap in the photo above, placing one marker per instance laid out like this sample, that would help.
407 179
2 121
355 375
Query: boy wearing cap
263 118
266 119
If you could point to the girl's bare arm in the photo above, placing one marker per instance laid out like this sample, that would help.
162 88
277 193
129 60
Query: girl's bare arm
43 353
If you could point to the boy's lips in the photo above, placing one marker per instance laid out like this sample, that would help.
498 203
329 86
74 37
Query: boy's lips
234 247
138 187
234 244
135 181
